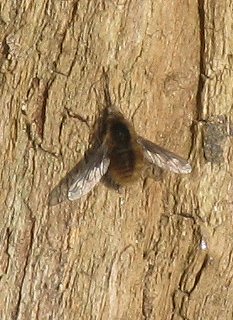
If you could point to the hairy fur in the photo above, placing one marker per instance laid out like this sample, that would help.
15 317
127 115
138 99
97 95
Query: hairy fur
125 154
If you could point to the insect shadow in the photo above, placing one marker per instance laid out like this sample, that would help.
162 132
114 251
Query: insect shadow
59 193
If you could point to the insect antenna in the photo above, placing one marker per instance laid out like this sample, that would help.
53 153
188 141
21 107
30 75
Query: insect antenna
106 90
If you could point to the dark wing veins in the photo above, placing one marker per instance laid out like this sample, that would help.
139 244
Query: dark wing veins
163 158
89 173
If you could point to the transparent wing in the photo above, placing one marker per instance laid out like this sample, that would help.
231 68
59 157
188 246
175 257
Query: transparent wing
163 158
89 173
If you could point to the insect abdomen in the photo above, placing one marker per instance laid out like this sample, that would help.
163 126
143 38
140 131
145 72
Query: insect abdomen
123 160
125 165
125 154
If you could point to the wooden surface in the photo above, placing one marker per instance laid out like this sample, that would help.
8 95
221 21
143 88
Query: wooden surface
162 250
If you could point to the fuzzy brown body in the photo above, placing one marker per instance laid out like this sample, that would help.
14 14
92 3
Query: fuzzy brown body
125 154
119 158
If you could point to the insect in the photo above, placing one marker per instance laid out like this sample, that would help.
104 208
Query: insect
121 157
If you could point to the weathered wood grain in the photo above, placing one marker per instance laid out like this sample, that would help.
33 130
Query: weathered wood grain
163 249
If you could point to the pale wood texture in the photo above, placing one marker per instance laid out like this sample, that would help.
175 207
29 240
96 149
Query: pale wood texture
162 250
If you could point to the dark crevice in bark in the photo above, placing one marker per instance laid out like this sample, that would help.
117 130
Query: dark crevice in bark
77 116
199 273
45 95
201 82
201 12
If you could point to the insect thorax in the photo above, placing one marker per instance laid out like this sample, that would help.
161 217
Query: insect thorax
120 133
122 155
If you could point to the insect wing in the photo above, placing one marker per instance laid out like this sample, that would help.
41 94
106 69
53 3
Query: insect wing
163 158
89 174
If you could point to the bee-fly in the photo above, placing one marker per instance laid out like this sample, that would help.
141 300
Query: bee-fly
121 157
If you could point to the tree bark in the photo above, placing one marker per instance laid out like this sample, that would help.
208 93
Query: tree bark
162 250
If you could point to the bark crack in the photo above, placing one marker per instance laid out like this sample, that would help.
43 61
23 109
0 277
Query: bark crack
201 12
